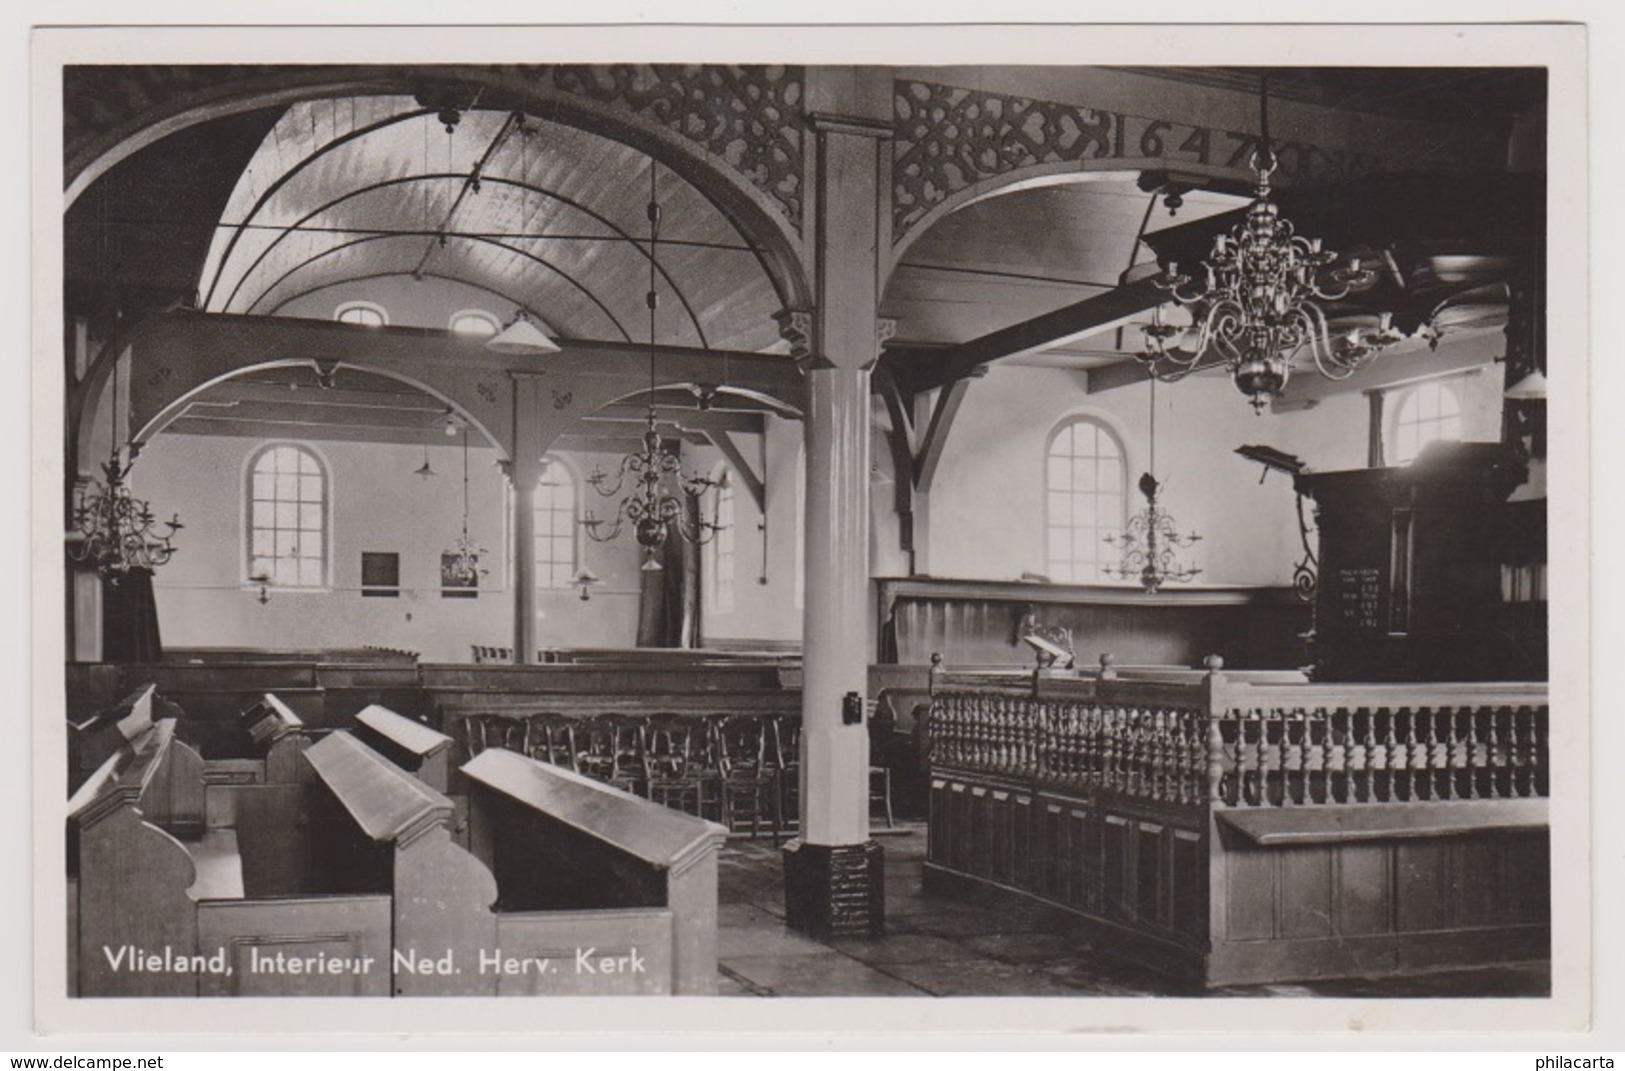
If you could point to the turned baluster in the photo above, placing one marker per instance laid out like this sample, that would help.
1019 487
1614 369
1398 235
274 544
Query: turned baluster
1215 761
1178 757
1262 755
1339 725
1130 755
1450 759
1094 730
1473 749
1393 757
1429 761
1311 755
1159 754
1110 747
1139 744
1150 770
1414 755
1495 760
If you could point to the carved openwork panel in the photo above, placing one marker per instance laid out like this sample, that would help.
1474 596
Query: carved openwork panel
948 138
749 117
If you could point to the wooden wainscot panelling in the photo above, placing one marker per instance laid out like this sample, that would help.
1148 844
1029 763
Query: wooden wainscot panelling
1364 885
299 946
582 953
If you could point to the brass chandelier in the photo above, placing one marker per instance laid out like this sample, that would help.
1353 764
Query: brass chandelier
460 566
1256 307
118 532
1150 541
654 506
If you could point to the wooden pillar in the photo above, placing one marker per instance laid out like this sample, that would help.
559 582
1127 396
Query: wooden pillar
524 474
834 880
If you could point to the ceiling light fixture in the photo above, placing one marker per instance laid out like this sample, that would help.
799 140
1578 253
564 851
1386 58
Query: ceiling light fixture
656 505
1150 538
116 531
522 338
460 566
1256 308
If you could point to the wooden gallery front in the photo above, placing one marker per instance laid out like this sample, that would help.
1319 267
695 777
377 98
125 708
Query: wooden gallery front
1125 486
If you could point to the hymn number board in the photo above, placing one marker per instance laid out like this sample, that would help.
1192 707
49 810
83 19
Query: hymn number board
1360 592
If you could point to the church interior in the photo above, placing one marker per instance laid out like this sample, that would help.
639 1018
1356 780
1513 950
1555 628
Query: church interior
813 531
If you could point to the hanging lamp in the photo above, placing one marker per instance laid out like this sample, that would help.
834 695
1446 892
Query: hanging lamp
1150 539
460 566
654 506
522 337
1256 309
117 532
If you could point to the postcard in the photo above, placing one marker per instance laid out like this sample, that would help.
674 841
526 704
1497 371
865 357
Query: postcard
1020 528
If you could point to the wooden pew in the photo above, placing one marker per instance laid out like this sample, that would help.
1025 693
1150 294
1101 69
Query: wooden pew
410 745
378 830
580 865
144 858
97 737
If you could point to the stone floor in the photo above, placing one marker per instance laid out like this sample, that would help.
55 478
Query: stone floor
939 947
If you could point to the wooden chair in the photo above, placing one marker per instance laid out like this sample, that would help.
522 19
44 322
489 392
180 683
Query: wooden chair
550 738
609 748
678 770
749 780
881 774
787 768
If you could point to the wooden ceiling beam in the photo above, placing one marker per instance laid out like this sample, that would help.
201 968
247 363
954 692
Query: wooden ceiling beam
687 419
255 339
753 480
921 369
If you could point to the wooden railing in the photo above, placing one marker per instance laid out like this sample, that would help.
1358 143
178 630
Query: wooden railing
1191 738
1233 828
1376 749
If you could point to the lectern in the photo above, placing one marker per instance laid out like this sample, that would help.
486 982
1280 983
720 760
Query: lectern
1412 561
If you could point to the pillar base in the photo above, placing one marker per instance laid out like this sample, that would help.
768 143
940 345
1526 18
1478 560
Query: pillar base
835 890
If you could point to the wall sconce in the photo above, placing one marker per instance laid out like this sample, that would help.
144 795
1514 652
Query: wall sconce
584 579
264 582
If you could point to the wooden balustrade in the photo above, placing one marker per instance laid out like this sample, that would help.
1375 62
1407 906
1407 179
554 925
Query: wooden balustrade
1231 828
1244 745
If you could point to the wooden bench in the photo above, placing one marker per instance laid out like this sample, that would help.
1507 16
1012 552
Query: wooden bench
97 737
410 745
141 858
380 831
581 865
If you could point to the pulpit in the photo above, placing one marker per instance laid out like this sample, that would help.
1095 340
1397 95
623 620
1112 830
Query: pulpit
1412 561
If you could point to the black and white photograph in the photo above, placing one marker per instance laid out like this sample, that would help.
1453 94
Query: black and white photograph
631 526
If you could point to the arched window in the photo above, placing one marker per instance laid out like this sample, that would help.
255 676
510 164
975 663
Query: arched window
361 312
1422 414
720 567
287 517
555 526
1084 480
476 322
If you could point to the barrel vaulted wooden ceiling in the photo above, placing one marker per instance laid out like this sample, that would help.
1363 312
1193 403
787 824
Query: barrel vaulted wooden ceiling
537 215
289 210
